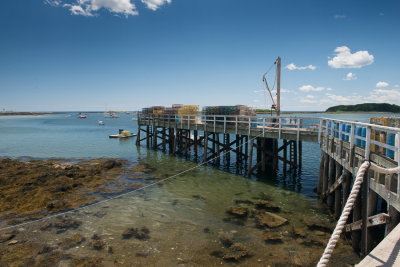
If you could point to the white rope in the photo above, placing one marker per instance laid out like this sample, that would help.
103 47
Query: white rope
348 207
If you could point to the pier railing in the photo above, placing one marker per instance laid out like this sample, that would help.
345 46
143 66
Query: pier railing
252 125
350 143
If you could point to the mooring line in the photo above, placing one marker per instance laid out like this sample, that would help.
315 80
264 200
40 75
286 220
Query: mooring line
124 194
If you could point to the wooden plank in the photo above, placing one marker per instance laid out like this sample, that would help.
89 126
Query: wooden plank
386 253
337 183
375 220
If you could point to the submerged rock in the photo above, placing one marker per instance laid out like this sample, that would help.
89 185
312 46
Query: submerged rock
236 252
238 211
97 244
71 241
299 232
270 220
243 201
273 237
6 236
316 224
226 238
140 234
61 225
264 204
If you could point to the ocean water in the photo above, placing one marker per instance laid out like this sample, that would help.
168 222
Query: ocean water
186 214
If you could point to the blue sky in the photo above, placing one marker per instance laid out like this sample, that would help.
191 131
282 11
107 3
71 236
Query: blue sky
129 54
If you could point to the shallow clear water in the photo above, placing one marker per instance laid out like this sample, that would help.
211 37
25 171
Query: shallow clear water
178 210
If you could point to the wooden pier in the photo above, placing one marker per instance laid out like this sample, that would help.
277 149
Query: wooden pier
259 142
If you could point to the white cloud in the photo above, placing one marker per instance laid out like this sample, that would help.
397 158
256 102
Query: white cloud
293 66
385 96
339 16
345 59
382 84
119 7
155 4
338 98
350 76
309 88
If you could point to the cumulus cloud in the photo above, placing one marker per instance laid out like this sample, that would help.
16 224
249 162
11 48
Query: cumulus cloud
155 4
345 59
350 76
339 16
309 88
293 66
119 7
385 96
382 84
339 98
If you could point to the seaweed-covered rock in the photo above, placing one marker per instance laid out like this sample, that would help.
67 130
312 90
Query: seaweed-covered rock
226 238
4 237
270 220
238 211
273 237
299 232
61 225
140 234
236 252
71 241
97 244
316 224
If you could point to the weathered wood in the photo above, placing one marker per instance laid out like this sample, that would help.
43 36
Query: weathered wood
356 235
338 199
346 186
375 220
331 178
394 219
371 210
205 147
263 160
250 158
333 187
325 174
321 171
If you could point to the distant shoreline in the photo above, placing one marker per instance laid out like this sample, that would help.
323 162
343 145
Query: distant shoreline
12 113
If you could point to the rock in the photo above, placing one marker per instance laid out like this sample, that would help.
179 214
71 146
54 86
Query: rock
269 219
243 201
299 232
141 234
12 242
71 241
206 230
62 225
317 224
264 204
226 238
95 237
273 237
111 163
198 197
238 211
5 237
97 244
236 252
311 242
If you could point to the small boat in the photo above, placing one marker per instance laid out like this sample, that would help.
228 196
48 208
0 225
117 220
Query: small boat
82 116
122 134
110 115
101 122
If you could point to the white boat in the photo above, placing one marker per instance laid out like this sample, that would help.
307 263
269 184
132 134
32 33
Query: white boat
101 122
82 116
110 115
